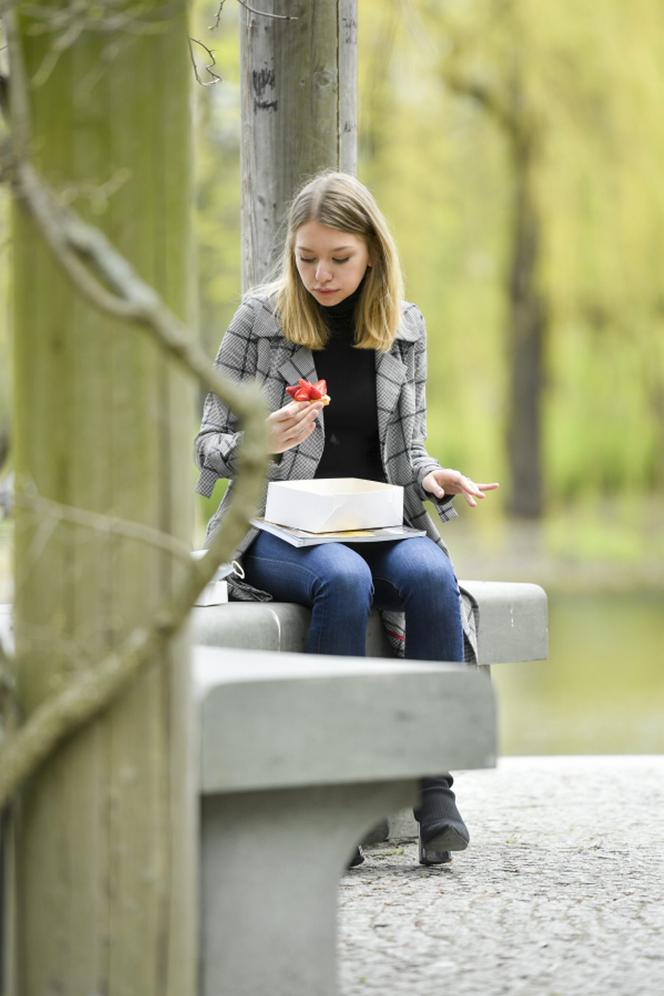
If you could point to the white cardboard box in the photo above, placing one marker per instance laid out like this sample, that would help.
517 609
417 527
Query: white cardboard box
333 503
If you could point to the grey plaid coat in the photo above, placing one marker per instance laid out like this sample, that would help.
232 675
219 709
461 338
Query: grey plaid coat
255 348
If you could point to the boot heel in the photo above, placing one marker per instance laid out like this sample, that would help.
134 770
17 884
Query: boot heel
430 856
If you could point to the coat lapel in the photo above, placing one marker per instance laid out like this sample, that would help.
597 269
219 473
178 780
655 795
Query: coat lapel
297 364
390 374
301 364
391 371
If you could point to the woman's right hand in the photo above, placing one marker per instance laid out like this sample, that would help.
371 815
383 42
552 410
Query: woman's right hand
289 426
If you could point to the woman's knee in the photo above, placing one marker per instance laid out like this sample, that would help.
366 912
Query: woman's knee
346 576
430 570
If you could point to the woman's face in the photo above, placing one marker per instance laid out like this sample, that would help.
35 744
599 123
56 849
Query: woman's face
331 263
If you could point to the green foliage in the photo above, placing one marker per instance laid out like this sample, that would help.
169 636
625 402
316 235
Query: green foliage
437 162
592 77
591 80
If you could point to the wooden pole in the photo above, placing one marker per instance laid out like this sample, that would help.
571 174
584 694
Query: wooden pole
299 87
106 863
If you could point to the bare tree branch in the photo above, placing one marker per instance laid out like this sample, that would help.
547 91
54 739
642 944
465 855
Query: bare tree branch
104 278
93 690
27 496
208 69
108 281
261 13
266 13
66 23
488 99
217 19
459 40
105 17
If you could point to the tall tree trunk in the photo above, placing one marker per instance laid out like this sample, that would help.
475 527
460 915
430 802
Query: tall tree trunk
105 862
527 324
299 85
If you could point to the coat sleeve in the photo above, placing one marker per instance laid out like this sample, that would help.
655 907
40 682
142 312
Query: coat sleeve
217 439
421 461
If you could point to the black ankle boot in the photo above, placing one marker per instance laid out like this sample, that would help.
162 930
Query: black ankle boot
441 826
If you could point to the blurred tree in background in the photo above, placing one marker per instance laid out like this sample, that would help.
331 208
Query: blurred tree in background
583 82
571 77
514 148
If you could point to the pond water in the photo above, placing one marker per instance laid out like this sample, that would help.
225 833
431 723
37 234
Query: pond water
602 689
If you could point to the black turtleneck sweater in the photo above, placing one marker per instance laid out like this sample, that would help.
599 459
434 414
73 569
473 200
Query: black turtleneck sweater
352 447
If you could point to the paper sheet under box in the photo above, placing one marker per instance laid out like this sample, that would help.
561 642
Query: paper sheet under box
334 503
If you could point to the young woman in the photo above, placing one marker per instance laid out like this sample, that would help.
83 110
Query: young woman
337 312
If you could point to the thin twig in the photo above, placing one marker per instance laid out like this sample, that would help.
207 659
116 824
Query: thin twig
217 20
66 24
215 77
266 13
91 691
27 496
81 249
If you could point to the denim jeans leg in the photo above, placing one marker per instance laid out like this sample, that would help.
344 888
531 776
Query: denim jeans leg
332 579
416 576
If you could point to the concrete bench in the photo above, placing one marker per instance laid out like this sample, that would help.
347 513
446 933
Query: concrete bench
301 755
512 627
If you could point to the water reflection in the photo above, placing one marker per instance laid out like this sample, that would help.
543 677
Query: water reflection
602 689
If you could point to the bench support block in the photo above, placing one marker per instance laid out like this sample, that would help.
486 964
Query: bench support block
271 863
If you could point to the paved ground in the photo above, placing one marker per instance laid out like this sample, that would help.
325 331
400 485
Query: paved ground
561 891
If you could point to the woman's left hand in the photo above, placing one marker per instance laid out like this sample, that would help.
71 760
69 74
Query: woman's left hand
450 482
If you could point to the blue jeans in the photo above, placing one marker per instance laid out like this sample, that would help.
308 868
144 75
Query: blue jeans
341 582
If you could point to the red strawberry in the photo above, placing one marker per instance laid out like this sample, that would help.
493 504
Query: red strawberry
304 390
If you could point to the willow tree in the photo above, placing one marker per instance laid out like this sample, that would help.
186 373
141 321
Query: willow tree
503 97
104 834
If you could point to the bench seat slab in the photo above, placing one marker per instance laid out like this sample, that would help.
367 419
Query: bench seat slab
512 624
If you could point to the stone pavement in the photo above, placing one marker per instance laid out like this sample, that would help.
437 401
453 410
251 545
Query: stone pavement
561 891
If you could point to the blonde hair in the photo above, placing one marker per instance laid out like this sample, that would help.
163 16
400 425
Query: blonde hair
339 200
